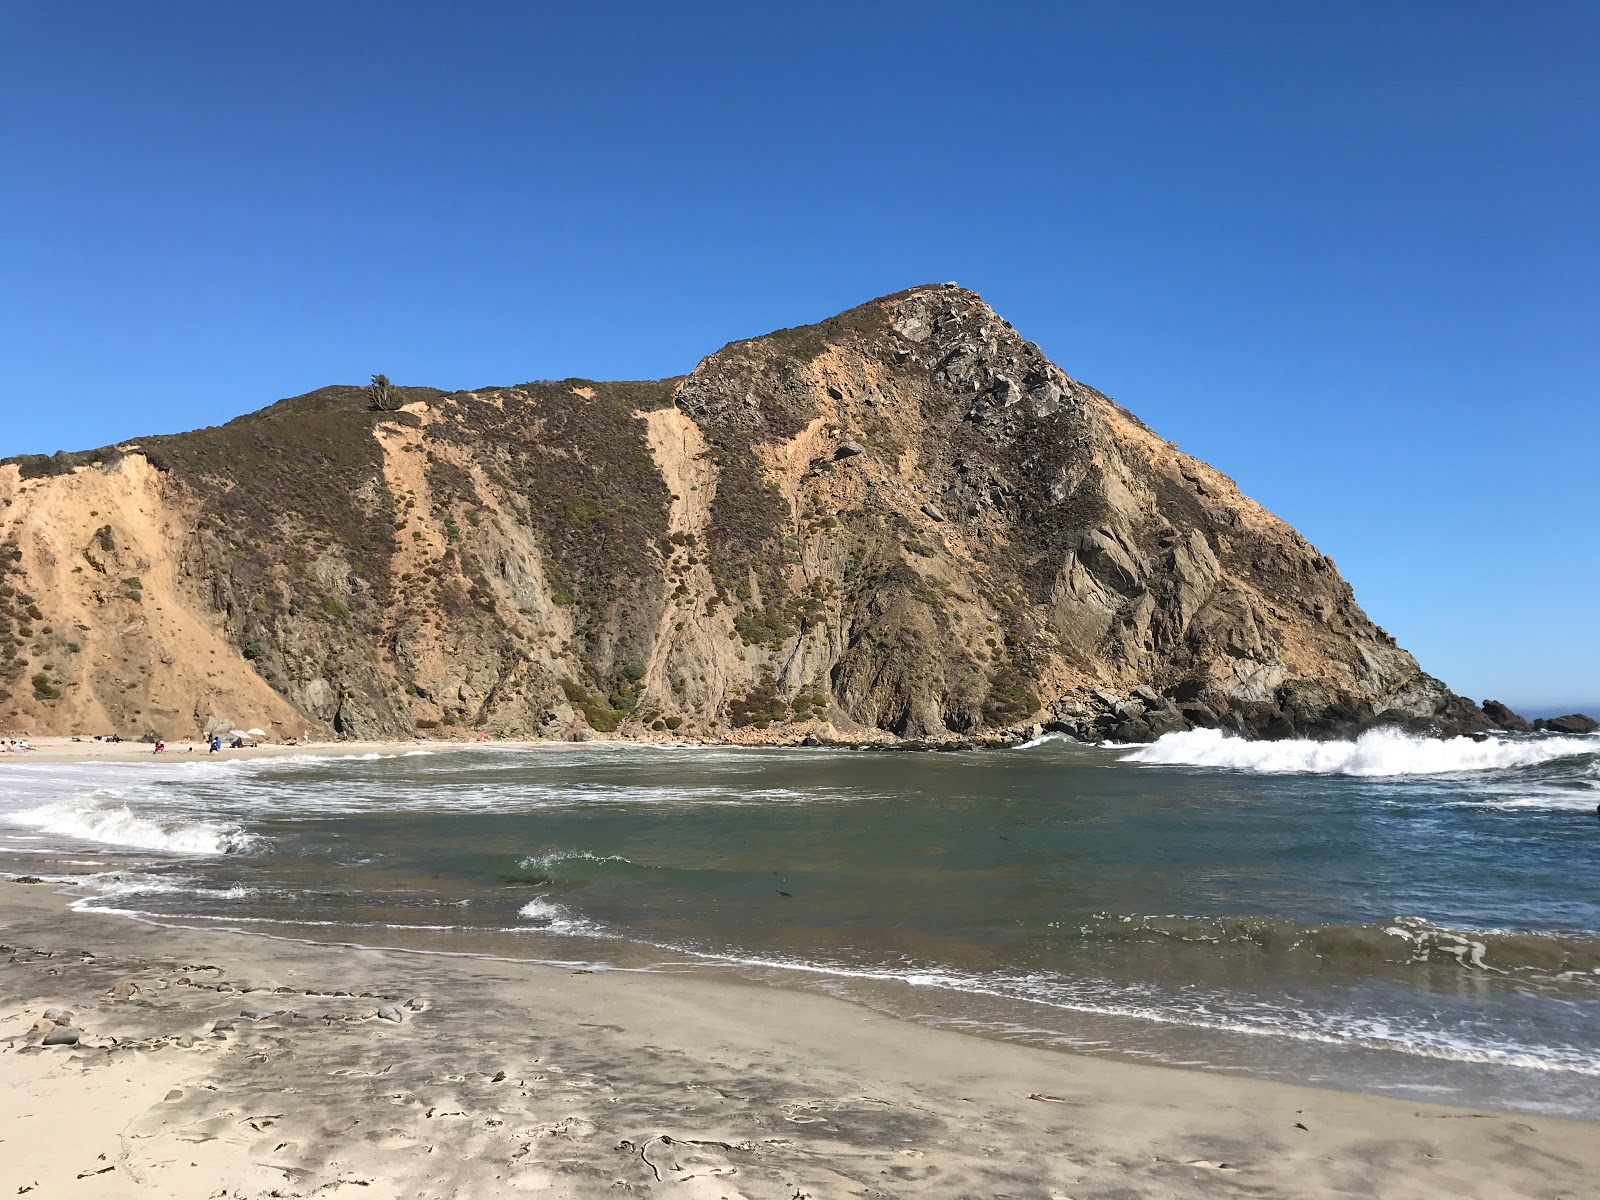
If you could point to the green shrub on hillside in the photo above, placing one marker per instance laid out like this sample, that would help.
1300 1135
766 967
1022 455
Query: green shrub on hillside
382 396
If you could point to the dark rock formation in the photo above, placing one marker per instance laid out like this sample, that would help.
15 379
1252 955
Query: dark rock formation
1503 718
1571 723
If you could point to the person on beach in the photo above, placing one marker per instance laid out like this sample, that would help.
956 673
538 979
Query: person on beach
160 746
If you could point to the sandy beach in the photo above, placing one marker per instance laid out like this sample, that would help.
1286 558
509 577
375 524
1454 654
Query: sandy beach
876 603
209 1064
68 749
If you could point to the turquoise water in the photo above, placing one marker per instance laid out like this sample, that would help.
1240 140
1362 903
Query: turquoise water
1413 918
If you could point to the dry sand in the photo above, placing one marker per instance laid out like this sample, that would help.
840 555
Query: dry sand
66 749
500 1078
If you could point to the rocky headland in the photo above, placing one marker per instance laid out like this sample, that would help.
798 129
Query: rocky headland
903 524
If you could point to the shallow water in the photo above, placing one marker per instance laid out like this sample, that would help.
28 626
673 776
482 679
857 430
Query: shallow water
1389 915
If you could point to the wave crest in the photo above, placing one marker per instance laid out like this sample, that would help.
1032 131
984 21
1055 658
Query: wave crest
553 858
1375 753
109 821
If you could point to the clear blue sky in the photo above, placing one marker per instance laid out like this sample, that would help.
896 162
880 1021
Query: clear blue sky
1348 253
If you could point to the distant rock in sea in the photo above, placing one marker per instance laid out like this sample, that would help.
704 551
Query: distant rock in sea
904 522
1571 723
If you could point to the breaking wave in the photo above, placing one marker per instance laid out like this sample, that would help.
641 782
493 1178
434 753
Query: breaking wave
1047 739
1378 752
553 858
105 818
550 917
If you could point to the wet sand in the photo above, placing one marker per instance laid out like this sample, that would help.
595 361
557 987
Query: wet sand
213 1064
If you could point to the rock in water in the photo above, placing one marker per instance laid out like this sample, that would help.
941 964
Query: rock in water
1012 540
1571 723
1504 718
61 1036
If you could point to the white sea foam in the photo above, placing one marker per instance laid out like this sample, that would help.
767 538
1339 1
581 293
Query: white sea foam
540 909
1550 801
297 760
107 819
268 762
118 887
235 922
1376 752
552 918
543 862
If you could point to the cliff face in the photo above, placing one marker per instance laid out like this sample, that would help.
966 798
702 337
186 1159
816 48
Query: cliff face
902 521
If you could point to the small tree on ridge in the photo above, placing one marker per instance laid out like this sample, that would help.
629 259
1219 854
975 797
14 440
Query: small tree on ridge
382 396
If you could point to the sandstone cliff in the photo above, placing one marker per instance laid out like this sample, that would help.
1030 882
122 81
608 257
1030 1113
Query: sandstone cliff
904 521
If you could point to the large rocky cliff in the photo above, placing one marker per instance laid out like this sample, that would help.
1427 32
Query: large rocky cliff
902 522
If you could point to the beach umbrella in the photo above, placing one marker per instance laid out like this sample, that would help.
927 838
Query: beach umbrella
237 733
258 733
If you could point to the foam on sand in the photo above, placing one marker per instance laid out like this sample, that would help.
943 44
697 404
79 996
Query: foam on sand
1376 752
551 917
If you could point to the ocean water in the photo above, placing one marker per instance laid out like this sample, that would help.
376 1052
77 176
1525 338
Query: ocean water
1409 917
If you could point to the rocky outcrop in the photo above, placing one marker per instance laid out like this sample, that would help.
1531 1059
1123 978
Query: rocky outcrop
1503 718
1571 723
902 523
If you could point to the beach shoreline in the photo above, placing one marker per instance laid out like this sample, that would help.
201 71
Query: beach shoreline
390 1073
58 750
